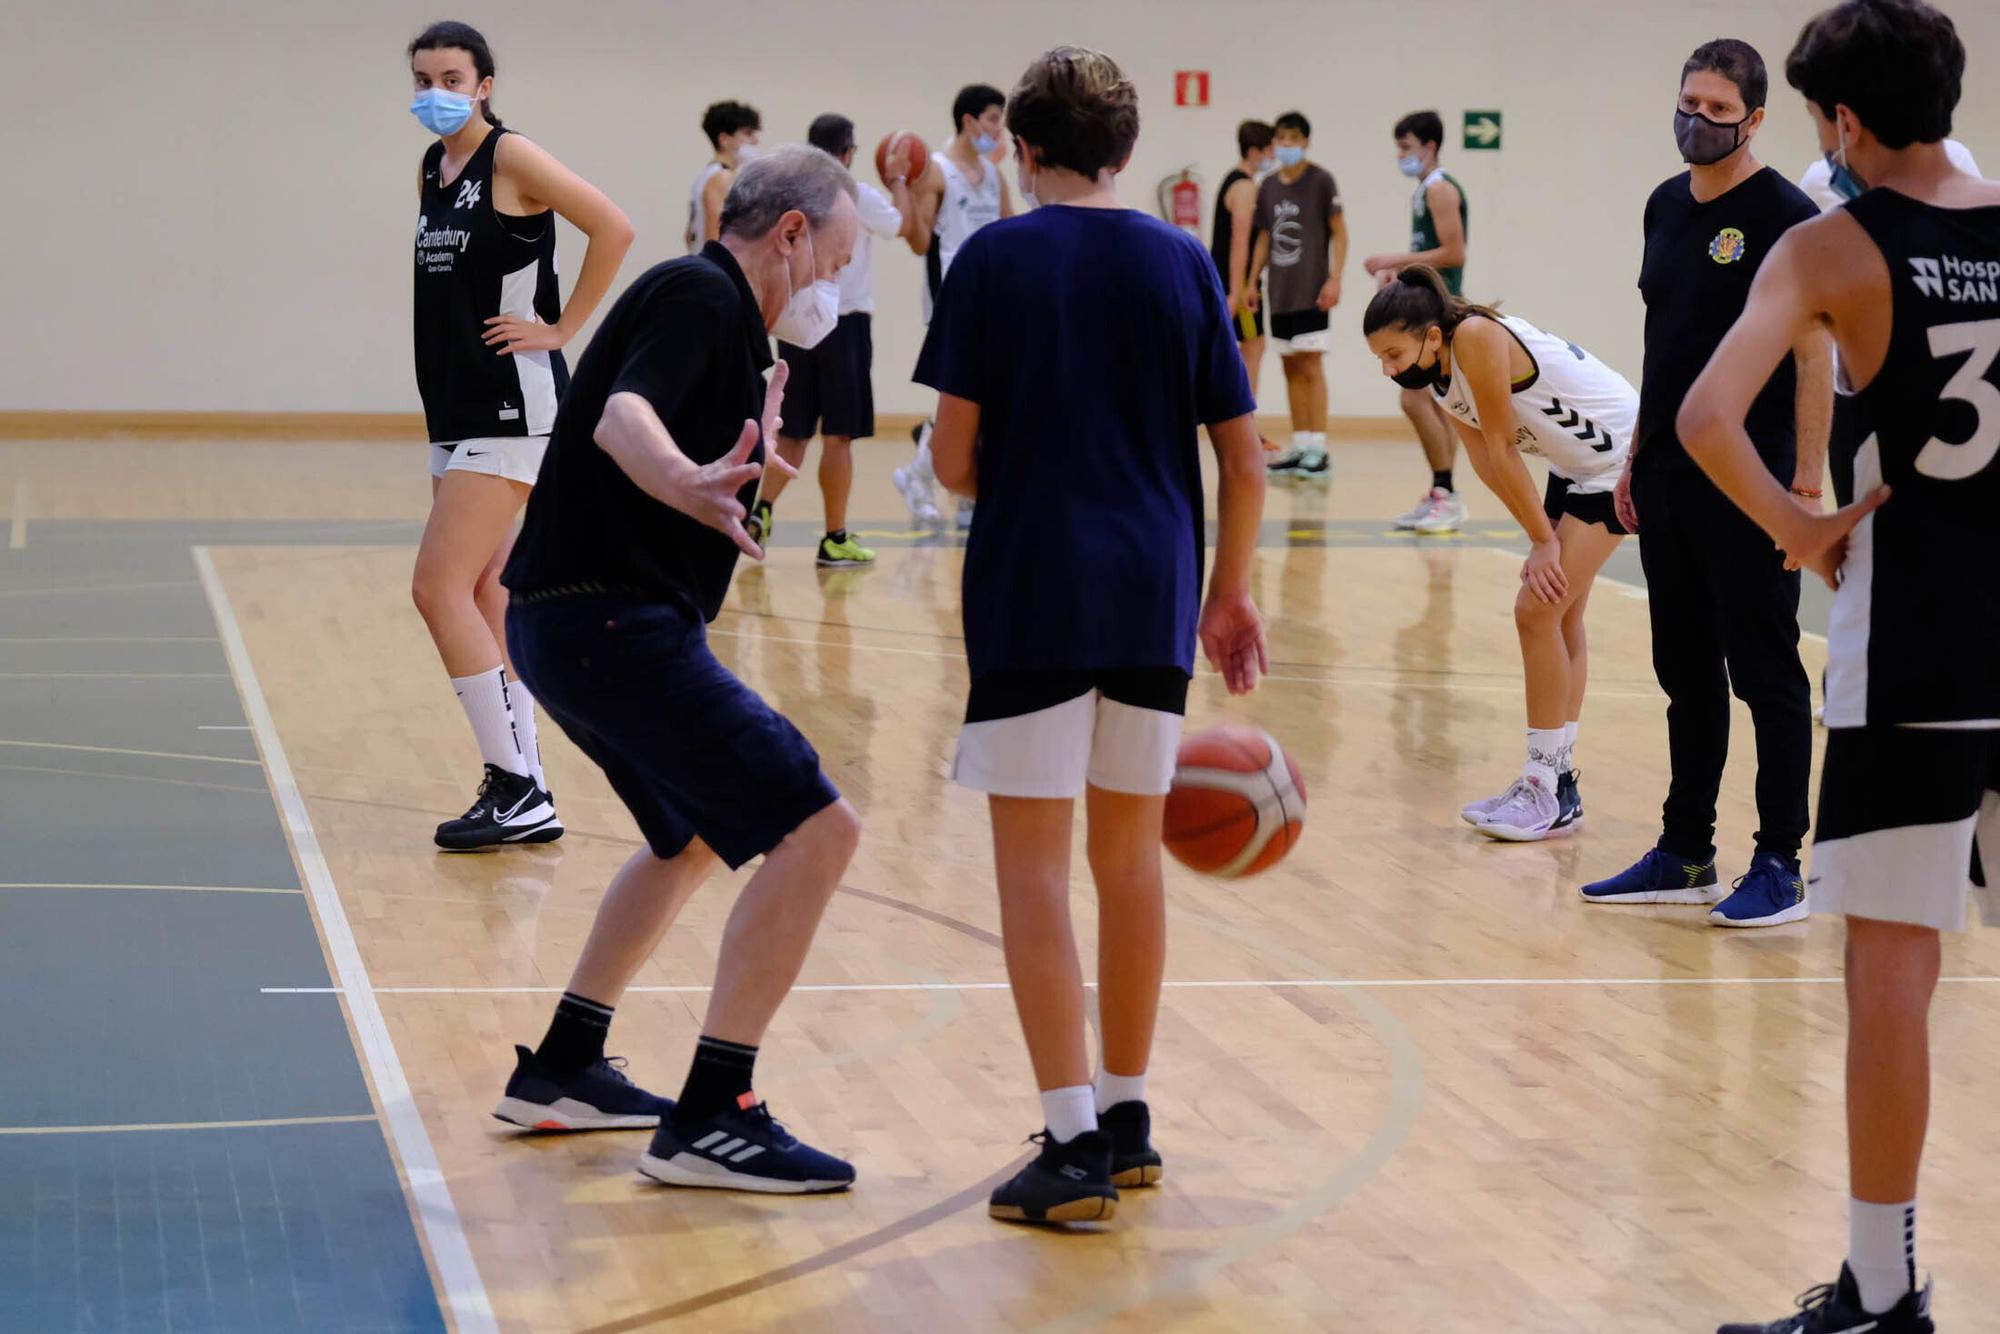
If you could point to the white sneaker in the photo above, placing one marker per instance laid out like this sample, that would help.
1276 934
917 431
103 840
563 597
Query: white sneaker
1529 814
1475 812
918 494
1446 512
1405 522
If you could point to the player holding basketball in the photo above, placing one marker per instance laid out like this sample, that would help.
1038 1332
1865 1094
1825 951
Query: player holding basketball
490 328
960 191
1509 389
1907 277
1299 220
732 129
1083 346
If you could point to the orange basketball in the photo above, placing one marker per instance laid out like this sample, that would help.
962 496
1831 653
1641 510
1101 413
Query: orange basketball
1238 804
919 155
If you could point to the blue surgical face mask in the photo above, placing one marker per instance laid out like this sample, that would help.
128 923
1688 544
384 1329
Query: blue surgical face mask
1290 155
983 144
1410 165
1844 182
442 112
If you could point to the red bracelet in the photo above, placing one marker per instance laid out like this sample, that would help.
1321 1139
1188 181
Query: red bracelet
1808 495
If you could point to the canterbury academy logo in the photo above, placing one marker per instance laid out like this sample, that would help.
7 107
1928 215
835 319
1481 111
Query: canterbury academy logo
1727 247
1953 279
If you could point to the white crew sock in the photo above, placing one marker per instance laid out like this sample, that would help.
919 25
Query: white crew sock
485 699
1114 1089
1544 754
1068 1112
1882 1251
1569 747
522 705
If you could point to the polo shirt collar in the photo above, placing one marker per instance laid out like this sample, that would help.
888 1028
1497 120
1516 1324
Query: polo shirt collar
754 331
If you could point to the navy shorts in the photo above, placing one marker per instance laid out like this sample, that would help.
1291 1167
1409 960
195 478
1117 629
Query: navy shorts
690 750
832 389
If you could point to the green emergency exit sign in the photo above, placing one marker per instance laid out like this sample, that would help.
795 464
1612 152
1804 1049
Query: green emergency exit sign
1482 129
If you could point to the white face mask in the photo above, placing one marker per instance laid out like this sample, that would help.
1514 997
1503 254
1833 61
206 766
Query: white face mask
812 310
746 152
1021 179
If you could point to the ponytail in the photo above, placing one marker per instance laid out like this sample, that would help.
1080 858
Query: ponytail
447 35
1418 299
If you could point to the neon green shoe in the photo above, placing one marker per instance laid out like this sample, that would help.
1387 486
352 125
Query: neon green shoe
758 525
846 551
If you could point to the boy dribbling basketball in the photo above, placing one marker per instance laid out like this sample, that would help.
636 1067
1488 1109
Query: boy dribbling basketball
1081 346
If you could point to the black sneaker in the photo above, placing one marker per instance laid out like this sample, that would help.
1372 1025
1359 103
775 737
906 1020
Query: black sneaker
1835 1308
510 808
741 1149
1569 800
1134 1160
1067 1183
599 1097
758 525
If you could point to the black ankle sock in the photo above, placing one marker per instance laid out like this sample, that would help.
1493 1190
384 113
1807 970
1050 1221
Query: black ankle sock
1441 479
717 1081
575 1038
837 536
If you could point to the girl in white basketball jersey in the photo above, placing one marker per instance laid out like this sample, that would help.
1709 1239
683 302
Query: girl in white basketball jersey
1510 389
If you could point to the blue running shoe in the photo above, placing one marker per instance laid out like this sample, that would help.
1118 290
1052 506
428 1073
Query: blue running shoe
1835 1308
1067 1183
1771 893
1570 797
741 1148
599 1097
1657 877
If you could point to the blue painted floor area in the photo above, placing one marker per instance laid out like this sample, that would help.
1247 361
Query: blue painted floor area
137 1009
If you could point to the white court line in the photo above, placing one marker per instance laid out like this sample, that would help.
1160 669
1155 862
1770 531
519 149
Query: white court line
1229 984
221 727
114 676
189 1125
109 639
17 525
458 1273
193 889
97 588
120 750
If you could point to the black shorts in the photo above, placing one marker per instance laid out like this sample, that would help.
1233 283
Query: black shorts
1562 498
1290 324
832 389
689 749
1909 825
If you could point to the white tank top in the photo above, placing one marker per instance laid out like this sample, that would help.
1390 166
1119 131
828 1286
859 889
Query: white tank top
697 228
1575 411
962 210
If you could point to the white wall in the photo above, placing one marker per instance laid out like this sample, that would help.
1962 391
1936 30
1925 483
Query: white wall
212 200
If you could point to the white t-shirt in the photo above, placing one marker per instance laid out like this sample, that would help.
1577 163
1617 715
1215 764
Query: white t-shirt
1818 179
878 218
697 228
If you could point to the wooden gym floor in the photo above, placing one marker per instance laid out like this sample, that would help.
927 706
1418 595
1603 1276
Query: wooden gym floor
1404 1081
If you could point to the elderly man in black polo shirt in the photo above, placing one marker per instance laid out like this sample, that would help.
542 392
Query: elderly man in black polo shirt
1725 609
625 556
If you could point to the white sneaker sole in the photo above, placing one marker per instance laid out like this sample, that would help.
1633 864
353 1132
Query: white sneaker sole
567 1114
685 1169
1798 912
1700 894
1432 529
1506 833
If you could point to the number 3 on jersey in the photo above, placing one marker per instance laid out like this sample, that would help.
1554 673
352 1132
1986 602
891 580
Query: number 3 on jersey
1981 338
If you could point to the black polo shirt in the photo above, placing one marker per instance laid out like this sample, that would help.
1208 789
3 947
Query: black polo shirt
688 337
1700 262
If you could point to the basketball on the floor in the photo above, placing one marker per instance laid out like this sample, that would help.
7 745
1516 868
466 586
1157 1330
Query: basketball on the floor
919 155
1237 805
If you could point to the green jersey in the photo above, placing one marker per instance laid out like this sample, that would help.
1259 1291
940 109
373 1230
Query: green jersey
1423 227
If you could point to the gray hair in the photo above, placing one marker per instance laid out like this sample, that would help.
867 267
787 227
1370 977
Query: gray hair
774 183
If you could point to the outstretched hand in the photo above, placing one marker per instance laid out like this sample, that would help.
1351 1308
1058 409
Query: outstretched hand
708 494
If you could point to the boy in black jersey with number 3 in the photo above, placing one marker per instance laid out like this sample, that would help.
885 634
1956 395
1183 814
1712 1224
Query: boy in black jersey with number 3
1907 277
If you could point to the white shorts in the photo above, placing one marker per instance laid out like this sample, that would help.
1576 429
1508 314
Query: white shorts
518 458
1903 811
1116 730
1305 344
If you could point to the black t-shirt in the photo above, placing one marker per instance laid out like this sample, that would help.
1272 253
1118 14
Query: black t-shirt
687 336
1700 262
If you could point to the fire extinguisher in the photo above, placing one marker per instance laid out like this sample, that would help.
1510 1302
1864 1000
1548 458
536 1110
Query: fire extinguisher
1180 200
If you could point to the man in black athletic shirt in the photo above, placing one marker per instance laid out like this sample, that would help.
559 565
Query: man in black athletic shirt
1908 278
1725 610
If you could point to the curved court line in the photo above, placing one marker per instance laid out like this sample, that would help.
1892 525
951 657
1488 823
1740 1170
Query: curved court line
97 588
193 889
114 676
121 750
355 1119
430 1195
127 778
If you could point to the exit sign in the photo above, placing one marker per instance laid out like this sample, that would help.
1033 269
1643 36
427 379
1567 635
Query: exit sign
1482 130
1191 88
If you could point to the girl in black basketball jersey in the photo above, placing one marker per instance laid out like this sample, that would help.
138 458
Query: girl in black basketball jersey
490 326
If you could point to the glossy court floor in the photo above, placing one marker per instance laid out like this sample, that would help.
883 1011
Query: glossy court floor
255 1025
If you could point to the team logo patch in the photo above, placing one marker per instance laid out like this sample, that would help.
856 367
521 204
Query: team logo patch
1727 247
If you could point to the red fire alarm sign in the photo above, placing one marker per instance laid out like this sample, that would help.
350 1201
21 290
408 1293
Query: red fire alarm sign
1191 88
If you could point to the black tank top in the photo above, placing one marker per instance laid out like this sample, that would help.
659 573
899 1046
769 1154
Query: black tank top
474 263
1915 636
1225 226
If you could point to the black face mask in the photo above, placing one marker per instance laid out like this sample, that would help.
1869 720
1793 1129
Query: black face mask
1416 375
1705 142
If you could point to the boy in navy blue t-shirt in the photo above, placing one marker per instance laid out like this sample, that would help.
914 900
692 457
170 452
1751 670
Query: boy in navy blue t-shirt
1082 346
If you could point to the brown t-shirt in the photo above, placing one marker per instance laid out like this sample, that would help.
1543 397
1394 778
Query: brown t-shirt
1297 215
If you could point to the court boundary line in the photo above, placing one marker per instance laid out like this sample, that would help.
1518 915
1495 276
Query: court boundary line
194 889
436 1215
1219 984
351 1119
